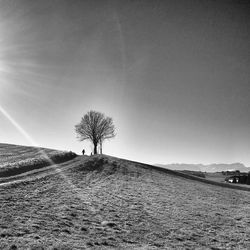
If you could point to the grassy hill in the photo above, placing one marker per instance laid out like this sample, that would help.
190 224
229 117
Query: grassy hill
16 159
12 153
102 202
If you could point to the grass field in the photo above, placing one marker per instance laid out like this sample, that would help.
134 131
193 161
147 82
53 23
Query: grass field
14 161
13 153
101 202
219 177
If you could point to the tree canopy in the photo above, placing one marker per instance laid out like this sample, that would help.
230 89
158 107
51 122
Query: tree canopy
96 127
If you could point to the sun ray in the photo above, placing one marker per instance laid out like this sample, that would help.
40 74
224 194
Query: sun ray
18 127
25 134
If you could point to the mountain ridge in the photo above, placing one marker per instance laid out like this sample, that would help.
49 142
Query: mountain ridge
214 167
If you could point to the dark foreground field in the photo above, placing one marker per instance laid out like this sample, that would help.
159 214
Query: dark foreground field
102 202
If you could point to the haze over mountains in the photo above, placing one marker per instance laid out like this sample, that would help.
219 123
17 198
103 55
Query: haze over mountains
216 167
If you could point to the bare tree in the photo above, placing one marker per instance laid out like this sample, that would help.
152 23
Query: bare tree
96 127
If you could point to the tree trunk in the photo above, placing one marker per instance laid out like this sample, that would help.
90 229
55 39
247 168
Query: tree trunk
95 149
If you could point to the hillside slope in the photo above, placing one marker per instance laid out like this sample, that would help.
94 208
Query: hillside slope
10 153
102 202
16 159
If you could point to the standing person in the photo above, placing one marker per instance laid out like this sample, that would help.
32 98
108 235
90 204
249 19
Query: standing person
83 151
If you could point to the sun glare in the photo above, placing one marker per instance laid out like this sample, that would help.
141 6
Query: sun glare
17 126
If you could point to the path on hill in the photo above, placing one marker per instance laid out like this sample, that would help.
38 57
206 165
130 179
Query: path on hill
57 168
42 172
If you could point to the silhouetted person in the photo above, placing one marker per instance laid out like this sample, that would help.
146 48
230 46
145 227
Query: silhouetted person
83 151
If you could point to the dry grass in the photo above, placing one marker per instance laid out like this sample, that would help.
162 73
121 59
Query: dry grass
107 203
13 153
14 161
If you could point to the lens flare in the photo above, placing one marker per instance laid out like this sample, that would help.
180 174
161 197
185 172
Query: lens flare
17 126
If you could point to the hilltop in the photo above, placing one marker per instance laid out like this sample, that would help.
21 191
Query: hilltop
102 202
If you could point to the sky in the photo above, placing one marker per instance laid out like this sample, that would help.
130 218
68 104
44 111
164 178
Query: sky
173 75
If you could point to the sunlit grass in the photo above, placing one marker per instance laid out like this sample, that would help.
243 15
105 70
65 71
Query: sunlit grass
10 169
123 205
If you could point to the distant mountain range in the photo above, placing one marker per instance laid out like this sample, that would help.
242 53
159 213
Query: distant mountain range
206 168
